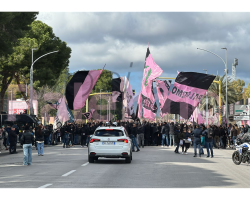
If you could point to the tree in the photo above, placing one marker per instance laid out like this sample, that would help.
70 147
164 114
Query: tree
46 70
104 82
213 93
247 91
12 27
238 86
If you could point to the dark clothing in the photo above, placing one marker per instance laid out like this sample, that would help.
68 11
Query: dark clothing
27 138
165 129
12 148
234 132
141 129
12 141
39 137
197 135
171 129
216 132
134 131
12 137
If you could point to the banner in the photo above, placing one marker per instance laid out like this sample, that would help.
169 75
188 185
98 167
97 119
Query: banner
162 88
189 88
88 115
151 71
79 88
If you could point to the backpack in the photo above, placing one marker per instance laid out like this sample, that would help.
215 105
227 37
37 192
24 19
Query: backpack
210 133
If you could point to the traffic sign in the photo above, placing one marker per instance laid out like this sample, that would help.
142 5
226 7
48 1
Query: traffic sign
242 117
241 110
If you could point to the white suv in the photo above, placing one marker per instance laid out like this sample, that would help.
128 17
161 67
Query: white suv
110 142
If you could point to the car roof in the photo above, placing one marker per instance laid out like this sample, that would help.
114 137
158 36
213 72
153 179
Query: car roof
110 127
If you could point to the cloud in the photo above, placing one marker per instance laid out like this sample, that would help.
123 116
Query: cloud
120 38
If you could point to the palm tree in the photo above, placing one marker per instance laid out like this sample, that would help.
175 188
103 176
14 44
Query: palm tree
213 93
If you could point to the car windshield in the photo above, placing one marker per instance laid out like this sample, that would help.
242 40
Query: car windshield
109 133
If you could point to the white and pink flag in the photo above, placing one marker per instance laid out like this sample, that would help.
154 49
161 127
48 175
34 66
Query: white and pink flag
162 88
151 72
62 115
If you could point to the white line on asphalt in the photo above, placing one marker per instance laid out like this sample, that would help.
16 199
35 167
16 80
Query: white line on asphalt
72 171
85 164
47 185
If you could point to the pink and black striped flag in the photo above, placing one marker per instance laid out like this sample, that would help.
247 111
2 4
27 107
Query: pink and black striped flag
117 89
151 72
80 86
189 88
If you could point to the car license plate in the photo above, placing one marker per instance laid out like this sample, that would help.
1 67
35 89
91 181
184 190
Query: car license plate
109 143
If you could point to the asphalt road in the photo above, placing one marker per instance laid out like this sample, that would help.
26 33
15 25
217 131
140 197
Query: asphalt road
152 167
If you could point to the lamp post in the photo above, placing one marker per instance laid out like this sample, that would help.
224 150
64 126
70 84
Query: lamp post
206 104
226 86
225 63
31 79
100 104
107 110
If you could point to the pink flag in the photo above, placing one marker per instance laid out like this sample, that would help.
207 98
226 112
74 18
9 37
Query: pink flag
200 119
151 71
191 118
195 115
62 115
178 72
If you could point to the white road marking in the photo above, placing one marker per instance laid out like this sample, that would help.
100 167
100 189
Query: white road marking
85 164
72 171
47 185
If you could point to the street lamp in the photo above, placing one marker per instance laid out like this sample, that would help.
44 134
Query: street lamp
226 86
107 110
206 104
100 104
225 63
31 78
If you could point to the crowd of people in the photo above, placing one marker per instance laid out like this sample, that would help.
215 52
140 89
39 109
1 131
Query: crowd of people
144 133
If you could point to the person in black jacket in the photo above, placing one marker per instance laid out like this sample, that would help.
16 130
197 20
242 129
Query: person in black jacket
90 129
39 133
27 141
147 134
165 134
12 140
197 140
84 133
141 131
208 133
76 134
133 137
224 137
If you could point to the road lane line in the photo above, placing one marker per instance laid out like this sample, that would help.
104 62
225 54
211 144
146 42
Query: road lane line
72 171
47 185
85 164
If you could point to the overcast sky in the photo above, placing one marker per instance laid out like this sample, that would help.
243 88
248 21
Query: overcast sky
119 38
